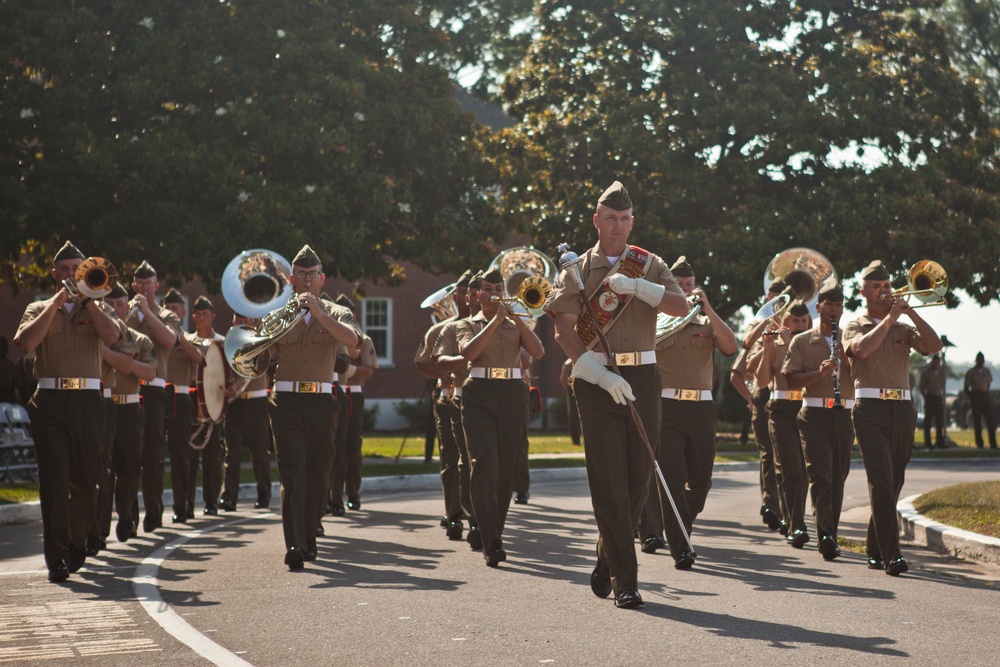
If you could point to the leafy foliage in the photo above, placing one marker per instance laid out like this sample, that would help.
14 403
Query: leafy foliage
744 129
184 132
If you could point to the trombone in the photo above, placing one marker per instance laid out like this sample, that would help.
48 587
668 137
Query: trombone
95 278
531 293
927 282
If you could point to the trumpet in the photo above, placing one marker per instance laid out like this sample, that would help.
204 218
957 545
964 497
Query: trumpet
95 278
927 282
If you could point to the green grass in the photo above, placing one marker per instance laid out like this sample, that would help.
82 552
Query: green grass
973 506
24 492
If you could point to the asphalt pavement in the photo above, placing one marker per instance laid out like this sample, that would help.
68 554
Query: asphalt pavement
390 589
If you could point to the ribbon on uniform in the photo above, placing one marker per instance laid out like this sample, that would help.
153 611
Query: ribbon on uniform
608 305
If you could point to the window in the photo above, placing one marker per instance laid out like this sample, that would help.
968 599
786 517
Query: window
376 322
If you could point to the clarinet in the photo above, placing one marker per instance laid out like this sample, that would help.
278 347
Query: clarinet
835 335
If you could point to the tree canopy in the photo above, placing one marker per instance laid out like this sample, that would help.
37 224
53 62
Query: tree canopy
184 132
744 129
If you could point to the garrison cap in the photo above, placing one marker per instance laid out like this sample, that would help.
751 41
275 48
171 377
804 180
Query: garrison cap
875 271
345 301
144 270
616 197
777 287
463 280
306 258
831 293
798 309
68 251
681 268
173 296
117 292
493 276
201 303
475 279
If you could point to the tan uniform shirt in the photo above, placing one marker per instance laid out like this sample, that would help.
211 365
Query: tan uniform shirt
740 366
140 324
447 346
503 349
888 367
181 371
807 351
685 360
778 382
124 345
932 381
635 330
978 379
425 352
308 351
367 357
142 349
71 347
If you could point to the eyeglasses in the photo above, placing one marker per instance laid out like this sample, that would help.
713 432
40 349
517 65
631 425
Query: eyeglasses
302 275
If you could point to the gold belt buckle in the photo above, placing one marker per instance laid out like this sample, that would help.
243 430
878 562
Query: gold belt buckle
118 399
499 373
627 358
70 383
308 387
892 394
795 395
688 394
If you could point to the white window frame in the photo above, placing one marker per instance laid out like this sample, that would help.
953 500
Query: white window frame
386 360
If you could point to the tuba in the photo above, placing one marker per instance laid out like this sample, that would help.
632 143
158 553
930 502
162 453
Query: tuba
95 278
927 282
805 271
442 303
257 284
518 267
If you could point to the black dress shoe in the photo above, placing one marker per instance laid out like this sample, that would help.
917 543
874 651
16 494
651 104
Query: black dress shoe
600 579
651 543
338 510
58 573
770 518
123 530
75 558
320 531
896 566
309 555
474 538
262 503
783 528
828 547
354 503
876 563
295 559
684 560
521 498
151 523
628 599
495 555
93 546
444 522
227 505
798 538
211 510
454 530
180 517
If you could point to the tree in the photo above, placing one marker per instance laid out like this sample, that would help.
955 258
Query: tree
742 129
183 133
973 28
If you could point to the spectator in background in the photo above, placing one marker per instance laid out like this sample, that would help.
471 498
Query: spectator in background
977 387
8 375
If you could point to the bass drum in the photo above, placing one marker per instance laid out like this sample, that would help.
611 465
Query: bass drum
213 378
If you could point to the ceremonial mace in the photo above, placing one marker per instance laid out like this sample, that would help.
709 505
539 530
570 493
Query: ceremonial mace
570 262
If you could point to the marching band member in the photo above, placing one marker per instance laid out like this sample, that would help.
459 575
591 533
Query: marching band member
879 345
206 438
181 370
686 454
618 465
782 408
67 333
303 408
133 362
164 328
246 425
817 364
494 407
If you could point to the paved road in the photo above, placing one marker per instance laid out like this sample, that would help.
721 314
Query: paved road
389 589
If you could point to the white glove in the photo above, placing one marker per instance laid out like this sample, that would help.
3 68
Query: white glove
646 291
588 368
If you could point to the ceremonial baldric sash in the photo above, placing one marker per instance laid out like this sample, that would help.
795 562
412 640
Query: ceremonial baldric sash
609 306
